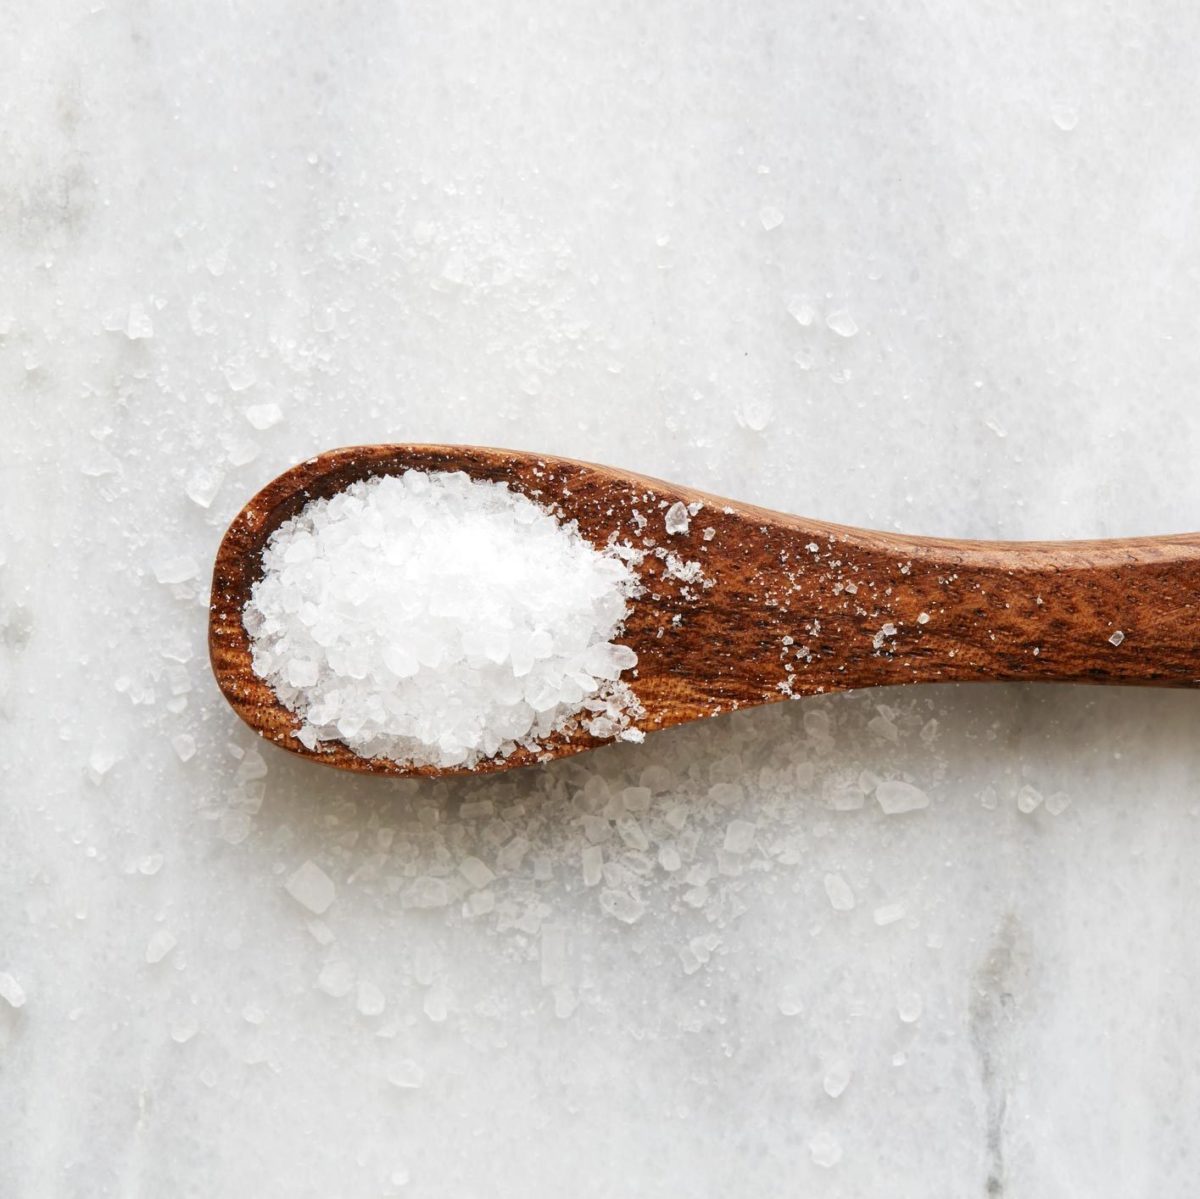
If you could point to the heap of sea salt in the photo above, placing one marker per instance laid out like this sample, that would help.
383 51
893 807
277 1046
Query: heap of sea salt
437 620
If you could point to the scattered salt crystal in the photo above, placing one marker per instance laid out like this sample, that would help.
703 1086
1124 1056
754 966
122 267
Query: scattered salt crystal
183 1028
178 569
637 799
438 620
251 767
922 618
789 1004
803 311
739 836
729 795
336 978
825 1150
100 761
477 873
1058 803
842 323
159 945
593 865
139 326
321 932
97 462
234 826
837 1079
406 1075
217 259
668 857
151 863
1029 799
371 1000
203 484
632 834
909 1007
1065 115
771 218
312 888
840 893
427 892
677 817
241 375
1116 638
887 630
677 518
512 855
479 903
436 1004
754 414
184 745
889 913
241 451
264 416
697 952
11 991
896 797
622 906
881 726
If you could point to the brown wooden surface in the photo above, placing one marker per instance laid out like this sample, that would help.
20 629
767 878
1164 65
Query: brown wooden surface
997 610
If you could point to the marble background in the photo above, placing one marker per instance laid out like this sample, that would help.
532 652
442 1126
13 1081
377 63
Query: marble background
928 267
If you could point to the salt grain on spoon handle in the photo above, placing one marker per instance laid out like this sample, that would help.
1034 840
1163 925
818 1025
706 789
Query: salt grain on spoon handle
739 606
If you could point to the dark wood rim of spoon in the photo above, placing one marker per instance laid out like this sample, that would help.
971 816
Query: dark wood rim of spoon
961 610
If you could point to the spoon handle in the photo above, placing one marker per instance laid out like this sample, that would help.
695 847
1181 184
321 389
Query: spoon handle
868 609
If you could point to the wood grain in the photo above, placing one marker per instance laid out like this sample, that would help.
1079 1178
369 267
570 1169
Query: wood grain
782 606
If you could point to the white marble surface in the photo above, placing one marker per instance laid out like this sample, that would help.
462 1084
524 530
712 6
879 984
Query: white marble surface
541 224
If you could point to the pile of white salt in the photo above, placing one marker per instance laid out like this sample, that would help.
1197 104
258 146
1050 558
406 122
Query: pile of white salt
437 620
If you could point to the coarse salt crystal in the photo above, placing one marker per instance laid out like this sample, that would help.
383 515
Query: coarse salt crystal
160 944
896 797
842 323
677 518
825 1149
371 1000
177 569
184 745
839 892
438 620
11 991
837 1079
312 888
336 978
264 416
406 1075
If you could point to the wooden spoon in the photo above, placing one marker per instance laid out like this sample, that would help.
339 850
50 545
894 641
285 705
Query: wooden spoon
749 606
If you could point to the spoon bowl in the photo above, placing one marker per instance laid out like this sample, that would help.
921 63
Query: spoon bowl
742 606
